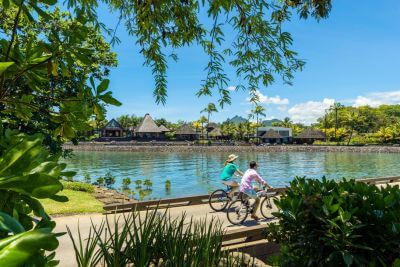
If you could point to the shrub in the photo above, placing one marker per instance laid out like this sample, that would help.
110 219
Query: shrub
126 182
100 180
78 186
153 239
109 179
329 223
87 178
138 184
167 185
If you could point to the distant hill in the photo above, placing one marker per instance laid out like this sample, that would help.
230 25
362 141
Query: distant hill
270 122
237 119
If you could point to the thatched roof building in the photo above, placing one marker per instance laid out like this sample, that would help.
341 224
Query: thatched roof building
164 129
215 133
271 134
147 125
112 129
311 134
186 132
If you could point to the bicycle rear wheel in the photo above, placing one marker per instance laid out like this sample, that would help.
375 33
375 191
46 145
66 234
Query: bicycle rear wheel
218 200
237 212
266 208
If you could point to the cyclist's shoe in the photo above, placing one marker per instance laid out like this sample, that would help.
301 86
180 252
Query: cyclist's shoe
255 217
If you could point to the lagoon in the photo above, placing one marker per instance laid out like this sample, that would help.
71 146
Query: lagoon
198 172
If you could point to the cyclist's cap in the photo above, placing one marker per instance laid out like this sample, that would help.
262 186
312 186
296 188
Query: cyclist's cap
231 157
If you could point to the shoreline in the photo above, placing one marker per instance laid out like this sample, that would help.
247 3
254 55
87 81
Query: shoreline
127 147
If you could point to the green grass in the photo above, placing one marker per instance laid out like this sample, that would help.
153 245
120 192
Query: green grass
79 202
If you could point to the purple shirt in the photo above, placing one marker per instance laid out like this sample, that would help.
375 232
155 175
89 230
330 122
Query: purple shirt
248 178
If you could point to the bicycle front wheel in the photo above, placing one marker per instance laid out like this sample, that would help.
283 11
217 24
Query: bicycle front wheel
237 212
266 208
218 200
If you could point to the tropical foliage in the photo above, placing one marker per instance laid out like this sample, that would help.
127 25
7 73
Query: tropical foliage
27 173
329 223
153 239
362 125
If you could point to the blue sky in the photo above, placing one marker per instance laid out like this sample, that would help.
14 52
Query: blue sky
352 57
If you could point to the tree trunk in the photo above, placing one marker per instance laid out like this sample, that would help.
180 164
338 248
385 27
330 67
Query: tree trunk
351 135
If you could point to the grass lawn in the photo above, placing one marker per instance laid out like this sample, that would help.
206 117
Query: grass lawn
79 202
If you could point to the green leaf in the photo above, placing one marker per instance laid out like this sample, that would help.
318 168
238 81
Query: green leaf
49 2
103 86
4 66
10 224
107 98
347 258
18 249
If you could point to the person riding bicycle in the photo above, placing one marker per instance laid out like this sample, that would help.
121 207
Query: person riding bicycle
227 174
247 188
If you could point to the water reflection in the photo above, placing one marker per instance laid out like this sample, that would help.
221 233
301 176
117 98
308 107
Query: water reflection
198 173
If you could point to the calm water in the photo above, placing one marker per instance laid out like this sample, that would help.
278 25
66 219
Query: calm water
198 173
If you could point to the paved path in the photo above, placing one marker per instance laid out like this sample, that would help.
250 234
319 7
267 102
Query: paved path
65 251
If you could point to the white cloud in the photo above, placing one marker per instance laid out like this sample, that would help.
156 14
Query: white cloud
282 108
231 88
310 111
377 99
275 100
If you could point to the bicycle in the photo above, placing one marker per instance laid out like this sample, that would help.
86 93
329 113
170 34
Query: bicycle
220 198
239 209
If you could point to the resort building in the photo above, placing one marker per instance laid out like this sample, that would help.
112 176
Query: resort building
148 129
112 129
308 136
275 134
215 134
272 137
186 132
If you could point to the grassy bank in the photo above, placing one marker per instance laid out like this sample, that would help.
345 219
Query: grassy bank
79 202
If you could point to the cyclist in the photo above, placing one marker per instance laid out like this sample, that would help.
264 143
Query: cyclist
247 188
227 174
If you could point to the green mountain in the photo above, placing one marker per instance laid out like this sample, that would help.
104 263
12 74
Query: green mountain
237 119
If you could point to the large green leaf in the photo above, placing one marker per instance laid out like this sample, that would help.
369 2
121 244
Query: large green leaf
18 249
4 66
103 86
107 98
39 185
9 224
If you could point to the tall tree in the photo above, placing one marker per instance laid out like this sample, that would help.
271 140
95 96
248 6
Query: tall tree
211 108
335 108
258 111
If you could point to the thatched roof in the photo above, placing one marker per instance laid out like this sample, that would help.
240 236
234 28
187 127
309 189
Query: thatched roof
311 134
271 134
212 125
147 125
185 130
163 128
113 125
216 132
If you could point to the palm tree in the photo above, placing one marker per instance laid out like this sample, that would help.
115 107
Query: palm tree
384 133
202 120
336 107
209 110
287 122
258 111
351 118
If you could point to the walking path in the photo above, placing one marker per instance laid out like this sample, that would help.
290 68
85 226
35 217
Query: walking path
65 252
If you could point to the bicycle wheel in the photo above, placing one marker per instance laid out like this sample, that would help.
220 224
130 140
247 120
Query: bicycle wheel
266 208
237 212
218 200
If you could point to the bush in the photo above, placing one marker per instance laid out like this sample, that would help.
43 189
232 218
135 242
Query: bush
329 223
154 239
126 182
78 186
109 179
